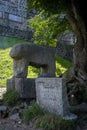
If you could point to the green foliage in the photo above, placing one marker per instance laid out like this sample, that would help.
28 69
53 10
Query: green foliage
33 72
10 97
50 6
47 28
53 122
81 94
62 65
32 111
46 121
1 128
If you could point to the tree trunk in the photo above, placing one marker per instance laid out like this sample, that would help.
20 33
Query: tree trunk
80 63
77 22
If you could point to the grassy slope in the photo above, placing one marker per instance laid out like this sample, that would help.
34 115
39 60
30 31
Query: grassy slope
6 64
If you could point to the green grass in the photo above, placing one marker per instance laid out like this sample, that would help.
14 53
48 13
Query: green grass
31 112
6 69
62 65
6 42
11 97
45 120
6 63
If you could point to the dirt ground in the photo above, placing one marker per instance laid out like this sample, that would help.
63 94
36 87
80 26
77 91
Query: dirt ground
8 124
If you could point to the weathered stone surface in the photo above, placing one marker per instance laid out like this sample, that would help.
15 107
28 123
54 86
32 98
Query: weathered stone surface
13 14
13 19
37 56
11 83
65 45
3 108
25 87
51 95
10 32
15 117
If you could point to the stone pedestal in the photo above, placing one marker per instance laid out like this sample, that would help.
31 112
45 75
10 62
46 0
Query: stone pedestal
25 87
51 95
10 83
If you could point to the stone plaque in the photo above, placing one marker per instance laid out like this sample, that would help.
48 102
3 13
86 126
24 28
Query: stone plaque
51 95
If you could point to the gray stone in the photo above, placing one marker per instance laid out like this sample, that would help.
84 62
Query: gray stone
65 45
51 95
25 55
25 87
3 111
13 19
10 83
37 56
14 110
12 32
15 117
3 108
13 14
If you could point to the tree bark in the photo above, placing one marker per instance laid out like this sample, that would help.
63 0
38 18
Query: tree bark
77 22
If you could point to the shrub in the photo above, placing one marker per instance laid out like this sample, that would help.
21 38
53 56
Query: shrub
32 112
10 97
46 121
53 122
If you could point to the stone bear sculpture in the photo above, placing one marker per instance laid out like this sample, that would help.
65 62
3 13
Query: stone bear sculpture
30 54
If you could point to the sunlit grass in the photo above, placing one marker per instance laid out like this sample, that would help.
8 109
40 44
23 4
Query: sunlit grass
62 65
6 69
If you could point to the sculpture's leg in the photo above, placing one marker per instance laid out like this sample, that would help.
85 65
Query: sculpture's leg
51 71
51 66
43 72
48 71
20 68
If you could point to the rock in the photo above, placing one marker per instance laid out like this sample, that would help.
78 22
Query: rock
15 117
14 110
81 108
3 111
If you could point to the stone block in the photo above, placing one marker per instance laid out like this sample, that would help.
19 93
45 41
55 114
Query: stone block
25 87
11 83
51 95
